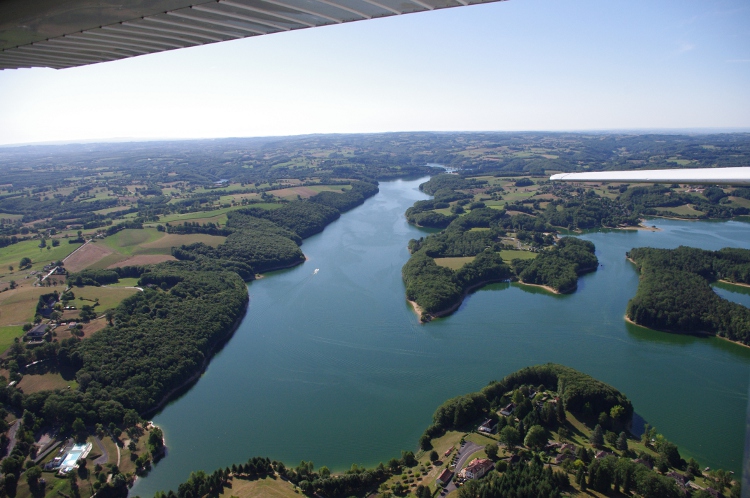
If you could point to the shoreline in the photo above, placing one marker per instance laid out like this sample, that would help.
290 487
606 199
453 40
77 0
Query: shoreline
277 268
206 358
447 311
640 226
738 284
694 334
545 287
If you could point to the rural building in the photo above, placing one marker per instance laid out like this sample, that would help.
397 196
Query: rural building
444 477
508 409
37 333
488 426
477 468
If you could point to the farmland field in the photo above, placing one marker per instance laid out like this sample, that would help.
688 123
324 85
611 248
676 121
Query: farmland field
11 255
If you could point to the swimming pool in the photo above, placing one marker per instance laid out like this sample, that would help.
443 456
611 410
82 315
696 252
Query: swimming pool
76 452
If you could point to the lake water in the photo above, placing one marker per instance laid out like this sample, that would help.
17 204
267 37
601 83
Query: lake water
334 367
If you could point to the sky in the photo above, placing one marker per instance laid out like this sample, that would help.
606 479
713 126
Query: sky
519 65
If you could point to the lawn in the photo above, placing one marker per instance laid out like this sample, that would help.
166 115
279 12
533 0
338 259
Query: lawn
257 488
127 241
685 209
199 215
447 440
112 209
45 382
511 254
165 244
11 255
18 306
8 334
109 297
454 263
125 282
740 201
126 462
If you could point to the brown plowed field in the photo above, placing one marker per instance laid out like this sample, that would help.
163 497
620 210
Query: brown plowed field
86 256
144 259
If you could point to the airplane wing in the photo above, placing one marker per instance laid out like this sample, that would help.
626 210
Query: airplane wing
59 34
702 176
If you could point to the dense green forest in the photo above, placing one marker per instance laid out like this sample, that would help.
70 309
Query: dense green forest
269 239
560 266
674 291
159 338
436 289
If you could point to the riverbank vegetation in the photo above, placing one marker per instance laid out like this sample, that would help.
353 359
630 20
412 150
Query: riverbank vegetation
547 431
674 292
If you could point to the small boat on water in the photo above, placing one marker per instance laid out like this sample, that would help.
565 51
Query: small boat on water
316 271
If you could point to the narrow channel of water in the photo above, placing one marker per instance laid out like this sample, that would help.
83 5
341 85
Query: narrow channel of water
334 367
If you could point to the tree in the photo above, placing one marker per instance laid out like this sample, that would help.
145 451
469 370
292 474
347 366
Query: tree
408 458
109 315
610 437
24 263
563 433
13 284
560 408
491 450
510 437
622 442
434 456
581 477
32 476
597 437
536 437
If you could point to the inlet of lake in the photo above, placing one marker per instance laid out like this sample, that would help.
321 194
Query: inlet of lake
334 367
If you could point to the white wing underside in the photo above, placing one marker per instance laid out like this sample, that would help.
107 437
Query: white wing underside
701 176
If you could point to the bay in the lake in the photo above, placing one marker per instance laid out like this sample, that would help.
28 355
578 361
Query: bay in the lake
334 367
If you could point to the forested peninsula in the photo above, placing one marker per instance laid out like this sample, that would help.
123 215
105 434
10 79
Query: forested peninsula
544 431
674 291
479 236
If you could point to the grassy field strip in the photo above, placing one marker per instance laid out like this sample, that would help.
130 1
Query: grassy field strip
454 263
19 305
8 334
682 210
508 255
260 488
11 255
511 254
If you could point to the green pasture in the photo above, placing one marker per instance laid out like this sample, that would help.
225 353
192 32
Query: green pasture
11 255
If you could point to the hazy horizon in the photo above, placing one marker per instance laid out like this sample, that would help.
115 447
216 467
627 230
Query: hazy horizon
634 131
